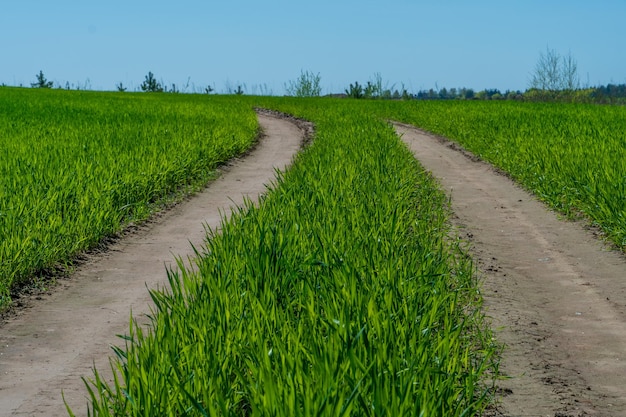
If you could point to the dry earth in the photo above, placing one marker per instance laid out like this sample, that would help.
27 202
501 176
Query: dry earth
50 345
555 294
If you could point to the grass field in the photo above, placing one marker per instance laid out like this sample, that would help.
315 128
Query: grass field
75 167
341 293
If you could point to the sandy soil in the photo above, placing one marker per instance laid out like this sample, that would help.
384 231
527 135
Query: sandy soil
49 346
555 294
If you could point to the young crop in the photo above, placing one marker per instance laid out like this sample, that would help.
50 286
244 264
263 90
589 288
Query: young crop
572 156
76 166
339 294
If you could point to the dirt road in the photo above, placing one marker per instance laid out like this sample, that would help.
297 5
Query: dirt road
555 294
50 346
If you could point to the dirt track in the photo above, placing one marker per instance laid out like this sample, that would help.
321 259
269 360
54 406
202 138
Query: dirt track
556 295
50 346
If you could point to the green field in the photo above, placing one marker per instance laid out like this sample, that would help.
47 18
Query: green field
342 292
338 295
75 167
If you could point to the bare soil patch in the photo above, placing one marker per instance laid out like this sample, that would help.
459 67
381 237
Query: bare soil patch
555 294
48 346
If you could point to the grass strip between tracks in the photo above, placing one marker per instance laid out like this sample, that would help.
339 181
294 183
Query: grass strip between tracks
341 293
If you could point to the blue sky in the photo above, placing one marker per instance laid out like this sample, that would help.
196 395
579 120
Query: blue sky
262 45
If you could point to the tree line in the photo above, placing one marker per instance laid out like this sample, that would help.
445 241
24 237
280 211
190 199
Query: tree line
554 78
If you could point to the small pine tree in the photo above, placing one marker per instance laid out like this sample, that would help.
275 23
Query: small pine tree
355 90
41 81
151 85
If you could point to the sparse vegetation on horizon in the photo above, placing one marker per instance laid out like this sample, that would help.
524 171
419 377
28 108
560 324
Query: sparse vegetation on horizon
555 77
376 88
308 84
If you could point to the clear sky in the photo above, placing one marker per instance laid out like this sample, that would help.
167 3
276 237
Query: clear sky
263 44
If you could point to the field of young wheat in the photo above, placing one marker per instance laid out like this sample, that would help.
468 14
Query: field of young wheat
75 167
341 292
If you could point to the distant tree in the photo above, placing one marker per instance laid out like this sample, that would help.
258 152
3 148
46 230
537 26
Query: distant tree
546 74
120 87
554 72
492 94
513 95
208 89
151 85
41 82
569 73
355 90
370 90
611 90
467 93
307 85
405 95
239 91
